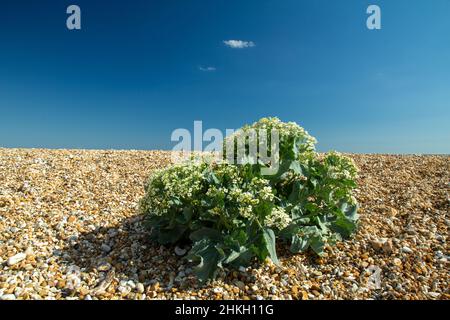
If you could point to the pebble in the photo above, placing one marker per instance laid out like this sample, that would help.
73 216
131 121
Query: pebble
407 250
179 251
218 290
105 248
131 284
434 294
104 266
387 246
140 288
397 262
124 290
16 259
240 285
86 200
384 245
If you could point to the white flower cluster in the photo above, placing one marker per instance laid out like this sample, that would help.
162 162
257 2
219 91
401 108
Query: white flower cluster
188 183
340 167
284 129
278 218
243 200
181 181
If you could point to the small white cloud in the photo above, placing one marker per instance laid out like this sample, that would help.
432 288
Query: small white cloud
207 69
239 44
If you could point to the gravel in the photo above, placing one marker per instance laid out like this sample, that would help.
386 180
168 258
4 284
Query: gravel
69 229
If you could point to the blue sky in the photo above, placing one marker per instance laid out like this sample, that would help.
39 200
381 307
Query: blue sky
133 73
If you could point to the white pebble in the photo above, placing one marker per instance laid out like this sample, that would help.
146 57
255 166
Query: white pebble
179 251
16 259
140 288
131 284
124 290
406 250
218 290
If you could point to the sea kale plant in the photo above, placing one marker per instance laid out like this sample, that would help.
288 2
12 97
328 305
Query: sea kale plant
232 214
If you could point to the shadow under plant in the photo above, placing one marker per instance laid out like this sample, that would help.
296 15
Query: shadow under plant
122 261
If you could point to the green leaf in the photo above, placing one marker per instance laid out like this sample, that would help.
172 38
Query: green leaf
244 259
185 217
285 167
296 167
211 178
170 236
238 258
350 211
323 226
317 244
209 259
269 238
299 244
205 233
345 227
295 194
175 202
314 189
297 212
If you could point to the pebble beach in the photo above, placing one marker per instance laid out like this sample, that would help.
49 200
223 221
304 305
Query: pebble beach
70 229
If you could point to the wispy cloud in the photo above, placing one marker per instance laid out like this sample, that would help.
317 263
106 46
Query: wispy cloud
239 44
207 69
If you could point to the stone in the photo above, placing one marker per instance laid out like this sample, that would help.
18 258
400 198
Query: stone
16 259
218 290
131 284
407 250
124 290
434 295
240 285
397 262
104 266
376 244
105 248
70 187
393 212
29 251
179 251
387 246
140 287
